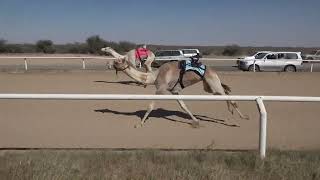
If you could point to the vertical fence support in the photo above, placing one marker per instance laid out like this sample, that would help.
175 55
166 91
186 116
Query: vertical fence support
311 68
254 66
110 64
263 128
25 64
83 64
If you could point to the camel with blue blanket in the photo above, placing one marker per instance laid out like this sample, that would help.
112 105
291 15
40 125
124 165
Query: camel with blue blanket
174 76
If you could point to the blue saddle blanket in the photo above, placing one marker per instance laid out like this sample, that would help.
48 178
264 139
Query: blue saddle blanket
198 68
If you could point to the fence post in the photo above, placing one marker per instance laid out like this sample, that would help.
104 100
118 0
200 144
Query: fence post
254 66
110 64
311 69
263 128
83 64
25 64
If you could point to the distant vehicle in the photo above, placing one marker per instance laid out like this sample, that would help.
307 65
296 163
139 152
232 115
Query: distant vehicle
257 55
273 61
190 52
313 56
164 56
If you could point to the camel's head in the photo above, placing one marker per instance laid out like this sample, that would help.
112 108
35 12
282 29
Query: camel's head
120 64
106 49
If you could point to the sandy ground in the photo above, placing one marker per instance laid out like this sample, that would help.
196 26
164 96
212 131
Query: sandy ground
110 124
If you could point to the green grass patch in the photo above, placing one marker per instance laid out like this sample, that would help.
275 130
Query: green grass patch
153 164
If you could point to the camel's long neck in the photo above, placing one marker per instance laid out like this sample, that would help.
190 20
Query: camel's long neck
144 78
114 53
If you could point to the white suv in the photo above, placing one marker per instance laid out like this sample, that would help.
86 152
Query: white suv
273 61
190 52
257 55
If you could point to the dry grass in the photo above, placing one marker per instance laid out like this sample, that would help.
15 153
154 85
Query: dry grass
94 164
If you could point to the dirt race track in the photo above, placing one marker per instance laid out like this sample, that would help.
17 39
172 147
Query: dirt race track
110 124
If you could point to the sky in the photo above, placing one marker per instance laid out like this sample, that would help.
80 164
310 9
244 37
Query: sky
168 22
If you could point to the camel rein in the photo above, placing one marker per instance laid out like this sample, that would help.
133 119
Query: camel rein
118 69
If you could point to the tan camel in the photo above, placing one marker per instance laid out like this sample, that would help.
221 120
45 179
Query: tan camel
166 80
132 58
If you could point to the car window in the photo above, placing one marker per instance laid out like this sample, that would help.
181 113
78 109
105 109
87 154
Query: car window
259 55
281 56
271 56
189 51
175 53
291 56
163 53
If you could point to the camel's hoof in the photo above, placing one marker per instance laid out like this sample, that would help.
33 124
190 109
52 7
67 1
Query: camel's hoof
138 126
144 85
195 124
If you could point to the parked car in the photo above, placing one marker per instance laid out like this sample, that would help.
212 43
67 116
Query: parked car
190 52
273 61
257 55
313 56
164 56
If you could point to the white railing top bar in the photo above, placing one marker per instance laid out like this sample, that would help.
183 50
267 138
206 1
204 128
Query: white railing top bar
158 97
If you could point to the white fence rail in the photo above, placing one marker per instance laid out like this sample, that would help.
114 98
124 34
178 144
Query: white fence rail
259 100
84 58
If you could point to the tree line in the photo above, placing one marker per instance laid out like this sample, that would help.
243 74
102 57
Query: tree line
93 44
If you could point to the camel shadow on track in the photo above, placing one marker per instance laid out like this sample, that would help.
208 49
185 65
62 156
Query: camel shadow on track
130 83
163 113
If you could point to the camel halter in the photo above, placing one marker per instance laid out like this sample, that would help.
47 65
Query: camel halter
118 69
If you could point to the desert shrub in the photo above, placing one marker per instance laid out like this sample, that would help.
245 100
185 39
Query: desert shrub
13 48
2 45
78 48
95 43
231 50
206 52
73 48
125 46
45 46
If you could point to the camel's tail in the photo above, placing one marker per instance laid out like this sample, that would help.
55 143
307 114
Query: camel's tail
226 88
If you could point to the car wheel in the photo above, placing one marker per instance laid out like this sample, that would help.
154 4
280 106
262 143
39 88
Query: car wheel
252 69
290 68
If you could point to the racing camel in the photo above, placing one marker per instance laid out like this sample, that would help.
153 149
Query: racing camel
134 56
167 80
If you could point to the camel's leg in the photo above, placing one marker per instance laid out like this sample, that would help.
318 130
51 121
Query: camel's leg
183 106
235 106
148 62
150 108
214 83
131 58
147 66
